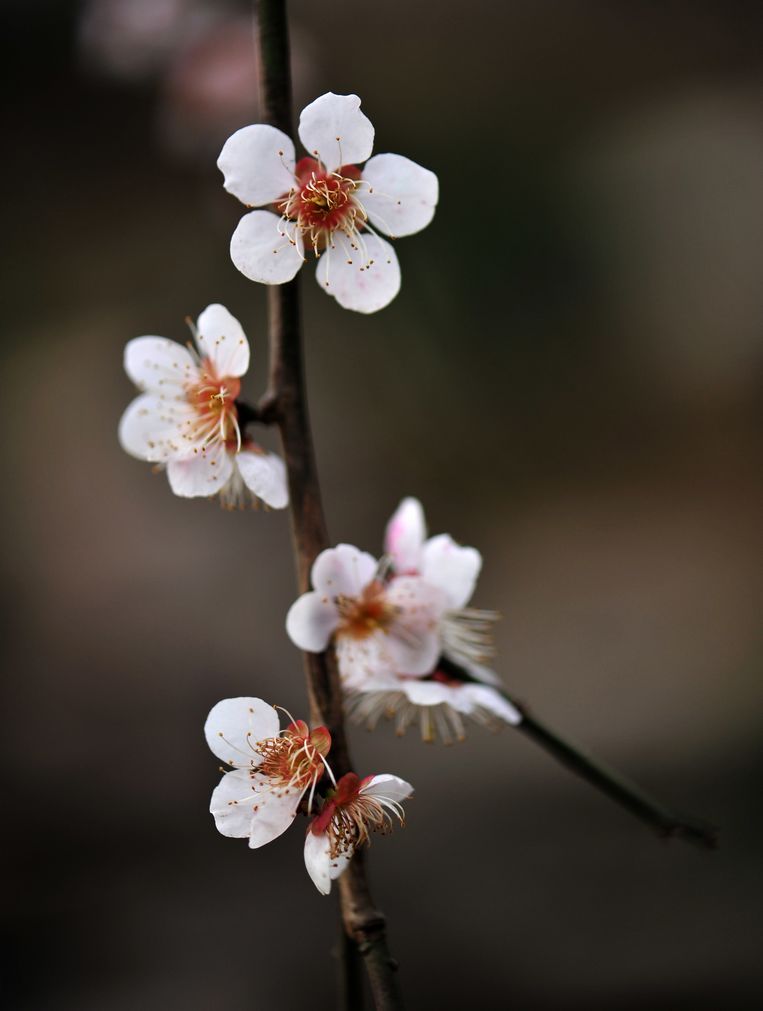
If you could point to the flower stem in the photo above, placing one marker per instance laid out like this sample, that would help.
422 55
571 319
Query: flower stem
664 822
286 403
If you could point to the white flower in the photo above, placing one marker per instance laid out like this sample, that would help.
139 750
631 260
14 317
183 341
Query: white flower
272 768
375 625
355 809
325 203
186 417
457 684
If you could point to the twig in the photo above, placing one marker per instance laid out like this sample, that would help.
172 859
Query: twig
286 402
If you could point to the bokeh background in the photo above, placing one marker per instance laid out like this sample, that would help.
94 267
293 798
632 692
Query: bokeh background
567 380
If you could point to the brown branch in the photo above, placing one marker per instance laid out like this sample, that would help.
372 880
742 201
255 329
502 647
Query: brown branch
286 403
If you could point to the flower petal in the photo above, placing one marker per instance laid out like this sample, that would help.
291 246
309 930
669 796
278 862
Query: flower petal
258 164
413 640
334 129
151 428
311 621
484 697
202 474
387 786
272 814
318 860
452 568
404 537
231 803
343 570
264 474
265 249
221 338
363 279
401 196
159 366
234 725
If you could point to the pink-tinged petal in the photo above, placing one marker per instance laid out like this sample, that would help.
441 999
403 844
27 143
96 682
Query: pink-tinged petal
452 568
318 860
343 571
405 536
333 129
483 697
258 164
266 249
159 366
401 196
221 338
416 657
202 474
235 725
364 279
264 474
150 428
272 814
362 661
311 621
387 786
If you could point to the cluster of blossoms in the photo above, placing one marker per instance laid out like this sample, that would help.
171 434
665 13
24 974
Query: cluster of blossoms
273 769
408 646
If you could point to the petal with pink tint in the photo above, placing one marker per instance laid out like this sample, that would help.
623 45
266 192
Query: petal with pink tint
342 571
221 338
266 249
201 475
401 196
405 534
365 278
451 568
311 621
264 474
257 163
333 129
235 725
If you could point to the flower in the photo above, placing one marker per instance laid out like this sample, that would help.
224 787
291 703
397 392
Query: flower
325 203
457 684
186 417
351 812
375 624
272 768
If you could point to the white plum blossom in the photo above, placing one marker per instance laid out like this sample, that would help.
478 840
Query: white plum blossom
350 813
457 684
375 624
325 204
186 417
271 768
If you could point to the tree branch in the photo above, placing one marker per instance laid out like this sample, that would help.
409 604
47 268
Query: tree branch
287 405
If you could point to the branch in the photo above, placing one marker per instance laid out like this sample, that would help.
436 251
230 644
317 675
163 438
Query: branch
287 404
664 822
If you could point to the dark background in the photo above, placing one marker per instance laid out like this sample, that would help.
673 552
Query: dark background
567 380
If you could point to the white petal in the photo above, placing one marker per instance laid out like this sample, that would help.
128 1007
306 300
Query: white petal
343 570
401 196
221 338
362 661
318 860
452 568
389 787
159 365
150 428
272 814
258 164
487 698
232 802
339 864
405 535
311 621
414 640
202 474
365 279
234 725
263 250
334 129
427 693
264 475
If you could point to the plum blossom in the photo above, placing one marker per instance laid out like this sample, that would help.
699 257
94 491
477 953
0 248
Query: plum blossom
186 417
457 685
325 203
350 813
272 769
375 624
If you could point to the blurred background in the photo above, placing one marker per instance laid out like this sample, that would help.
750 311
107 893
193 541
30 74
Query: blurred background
568 381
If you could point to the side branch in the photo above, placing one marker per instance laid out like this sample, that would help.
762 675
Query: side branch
664 822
